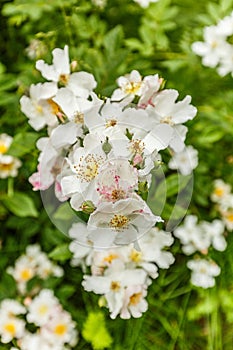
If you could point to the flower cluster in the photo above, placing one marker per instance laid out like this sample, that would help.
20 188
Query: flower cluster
200 237
34 263
36 319
223 197
121 275
216 50
54 326
8 164
100 153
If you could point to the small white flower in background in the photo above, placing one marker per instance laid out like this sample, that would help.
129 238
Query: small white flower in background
203 272
215 50
5 142
41 308
33 263
215 232
184 161
9 166
11 307
220 191
145 3
192 236
10 328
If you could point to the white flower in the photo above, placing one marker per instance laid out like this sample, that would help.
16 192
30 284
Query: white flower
11 307
164 109
5 142
130 86
35 341
121 222
112 121
145 3
59 70
151 254
113 284
10 328
85 167
60 329
215 231
80 246
41 308
117 180
212 48
74 107
134 302
9 166
220 191
185 161
192 236
39 107
227 216
203 272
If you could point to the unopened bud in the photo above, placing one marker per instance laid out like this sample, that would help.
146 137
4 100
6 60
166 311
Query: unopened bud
87 207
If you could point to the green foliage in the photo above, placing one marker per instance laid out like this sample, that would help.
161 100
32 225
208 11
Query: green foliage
95 331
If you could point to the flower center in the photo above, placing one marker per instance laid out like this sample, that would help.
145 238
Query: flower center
25 274
60 329
167 120
218 191
111 122
119 222
135 256
64 78
54 106
6 166
43 309
135 298
132 87
110 258
3 148
79 118
10 328
229 216
115 286
137 146
117 194
88 168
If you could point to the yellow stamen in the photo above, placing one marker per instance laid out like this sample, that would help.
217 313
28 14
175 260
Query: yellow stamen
135 298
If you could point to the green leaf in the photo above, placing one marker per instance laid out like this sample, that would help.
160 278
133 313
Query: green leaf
20 204
22 144
61 253
95 331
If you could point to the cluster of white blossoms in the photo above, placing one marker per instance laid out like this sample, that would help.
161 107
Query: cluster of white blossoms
35 319
34 263
100 152
217 49
121 275
199 237
8 164
222 195
54 327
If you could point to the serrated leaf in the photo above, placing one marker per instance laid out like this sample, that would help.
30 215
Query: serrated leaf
95 331
20 204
